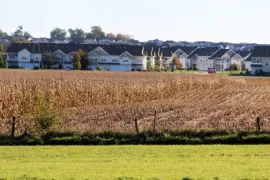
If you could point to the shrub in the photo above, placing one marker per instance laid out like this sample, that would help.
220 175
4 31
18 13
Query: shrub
98 68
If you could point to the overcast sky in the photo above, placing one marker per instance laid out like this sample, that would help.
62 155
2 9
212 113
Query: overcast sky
179 20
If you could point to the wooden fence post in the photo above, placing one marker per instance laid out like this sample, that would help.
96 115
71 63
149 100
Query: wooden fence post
136 126
258 124
13 127
155 120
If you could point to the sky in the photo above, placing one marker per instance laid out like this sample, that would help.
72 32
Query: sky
179 20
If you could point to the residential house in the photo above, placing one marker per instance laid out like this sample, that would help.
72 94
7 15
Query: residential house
182 52
199 58
223 59
118 58
26 56
260 59
246 62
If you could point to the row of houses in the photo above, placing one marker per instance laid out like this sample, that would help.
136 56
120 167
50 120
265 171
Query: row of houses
126 57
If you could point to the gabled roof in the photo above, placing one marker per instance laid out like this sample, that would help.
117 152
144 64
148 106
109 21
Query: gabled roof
221 53
208 51
166 52
186 49
148 51
243 53
134 50
261 51
117 50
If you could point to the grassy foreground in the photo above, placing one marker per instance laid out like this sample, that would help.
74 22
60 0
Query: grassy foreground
135 162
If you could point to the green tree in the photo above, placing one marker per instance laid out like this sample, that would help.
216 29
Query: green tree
77 35
84 59
41 65
3 63
96 32
58 34
1 48
149 66
19 36
49 59
26 35
98 68
3 35
76 61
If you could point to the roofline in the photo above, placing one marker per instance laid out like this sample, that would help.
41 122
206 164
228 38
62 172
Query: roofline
59 50
125 52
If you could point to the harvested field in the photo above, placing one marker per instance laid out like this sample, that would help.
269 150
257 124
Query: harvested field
106 101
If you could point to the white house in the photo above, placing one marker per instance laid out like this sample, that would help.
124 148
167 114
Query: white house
200 58
224 58
27 56
260 60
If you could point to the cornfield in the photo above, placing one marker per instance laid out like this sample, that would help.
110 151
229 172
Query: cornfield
106 101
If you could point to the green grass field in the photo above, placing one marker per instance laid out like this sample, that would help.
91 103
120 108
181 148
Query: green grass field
135 162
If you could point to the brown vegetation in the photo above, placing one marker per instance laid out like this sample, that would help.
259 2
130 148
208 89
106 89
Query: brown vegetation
105 101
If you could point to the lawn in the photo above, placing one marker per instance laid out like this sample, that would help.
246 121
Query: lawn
135 162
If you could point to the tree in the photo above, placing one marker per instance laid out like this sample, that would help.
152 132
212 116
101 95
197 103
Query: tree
110 35
77 35
3 35
60 66
158 62
58 34
98 68
149 66
76 61
84 59
123 36
3 63
41 65
96 32
26 35
1 49
49 59
19 36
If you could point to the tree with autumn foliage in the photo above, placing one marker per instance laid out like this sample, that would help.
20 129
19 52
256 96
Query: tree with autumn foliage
110 35
76 61
123 36
158 63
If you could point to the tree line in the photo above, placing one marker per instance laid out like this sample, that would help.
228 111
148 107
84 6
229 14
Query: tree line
75 35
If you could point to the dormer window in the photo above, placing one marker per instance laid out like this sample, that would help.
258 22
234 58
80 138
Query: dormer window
24 57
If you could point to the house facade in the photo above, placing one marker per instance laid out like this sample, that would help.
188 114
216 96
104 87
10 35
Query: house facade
260 59
199 58
224 58
107 57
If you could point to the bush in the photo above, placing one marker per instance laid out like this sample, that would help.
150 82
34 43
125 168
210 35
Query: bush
60 66
98 68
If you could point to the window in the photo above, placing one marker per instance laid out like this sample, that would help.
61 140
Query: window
266 63
125 60
24 57
114 60
103 60
258 60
